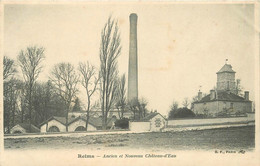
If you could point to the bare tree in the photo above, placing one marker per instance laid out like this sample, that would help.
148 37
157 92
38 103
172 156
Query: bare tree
65 80
173 109
10 91
133 106
121 96
185 102
138 107
41 101
8 67
142 107
110 49
89 81
30 62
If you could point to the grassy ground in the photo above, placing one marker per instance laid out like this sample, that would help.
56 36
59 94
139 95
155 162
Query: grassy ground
235 138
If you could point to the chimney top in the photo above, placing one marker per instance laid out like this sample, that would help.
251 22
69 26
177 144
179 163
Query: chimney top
133 15
212 94
246 96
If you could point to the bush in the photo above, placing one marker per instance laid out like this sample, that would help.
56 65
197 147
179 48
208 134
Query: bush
122 123
183 113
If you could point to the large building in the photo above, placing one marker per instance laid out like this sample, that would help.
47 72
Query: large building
224 100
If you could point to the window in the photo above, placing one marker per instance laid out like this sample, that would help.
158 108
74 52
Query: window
231 105
157 122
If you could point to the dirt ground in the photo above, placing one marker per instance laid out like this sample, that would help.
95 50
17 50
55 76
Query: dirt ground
235 138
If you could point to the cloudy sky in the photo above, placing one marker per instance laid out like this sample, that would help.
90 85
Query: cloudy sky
180 46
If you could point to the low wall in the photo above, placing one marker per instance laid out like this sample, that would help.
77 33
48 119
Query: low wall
210 121
187 128
139 126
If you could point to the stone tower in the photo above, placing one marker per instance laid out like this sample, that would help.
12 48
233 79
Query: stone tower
226 79
133 61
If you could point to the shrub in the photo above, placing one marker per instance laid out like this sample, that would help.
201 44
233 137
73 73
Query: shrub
122 123
183 113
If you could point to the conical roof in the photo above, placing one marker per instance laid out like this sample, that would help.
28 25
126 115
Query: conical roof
227 68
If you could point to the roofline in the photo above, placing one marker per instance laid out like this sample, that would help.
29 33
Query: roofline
222 100
79 117
53 117
226 72
155 115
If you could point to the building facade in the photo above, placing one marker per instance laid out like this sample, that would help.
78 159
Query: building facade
224 100
58 124
152 122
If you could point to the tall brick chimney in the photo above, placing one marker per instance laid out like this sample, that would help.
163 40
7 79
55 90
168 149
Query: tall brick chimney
246 95
133 61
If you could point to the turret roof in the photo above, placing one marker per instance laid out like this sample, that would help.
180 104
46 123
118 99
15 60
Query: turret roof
226 68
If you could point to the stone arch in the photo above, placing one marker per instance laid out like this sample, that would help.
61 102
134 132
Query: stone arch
53 129
80 128
17 132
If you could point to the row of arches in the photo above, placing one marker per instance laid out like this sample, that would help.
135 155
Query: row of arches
56 129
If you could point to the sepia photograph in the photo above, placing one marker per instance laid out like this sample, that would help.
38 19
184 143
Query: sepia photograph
144 83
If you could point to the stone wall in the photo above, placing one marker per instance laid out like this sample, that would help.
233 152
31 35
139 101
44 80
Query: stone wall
211 108
226 81
139 126
209 121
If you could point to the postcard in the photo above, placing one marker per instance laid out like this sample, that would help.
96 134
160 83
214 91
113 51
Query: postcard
129 83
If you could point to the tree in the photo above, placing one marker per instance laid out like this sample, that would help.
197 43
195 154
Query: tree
76 106
30 62
173 109
10 92
42 97
133 106
110 49
89 81
65 80
142 107
138 107
185 102
8 67
121 96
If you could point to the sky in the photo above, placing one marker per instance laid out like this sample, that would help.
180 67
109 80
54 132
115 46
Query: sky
180 46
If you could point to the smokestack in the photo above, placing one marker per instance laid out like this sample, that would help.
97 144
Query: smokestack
212 94
199 95
246 95
133 63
